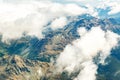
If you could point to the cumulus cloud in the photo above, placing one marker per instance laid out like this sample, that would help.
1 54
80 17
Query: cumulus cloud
96 4
79 55
114 8
113 5
74 9
88 72
30 17
81 31
59 23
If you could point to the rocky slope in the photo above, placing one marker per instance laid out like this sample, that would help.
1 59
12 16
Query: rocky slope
28 58
17 68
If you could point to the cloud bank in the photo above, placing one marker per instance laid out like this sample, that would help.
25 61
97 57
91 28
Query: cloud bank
31 17
79 55
96 4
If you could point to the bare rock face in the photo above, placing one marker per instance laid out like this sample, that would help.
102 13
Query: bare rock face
17 68
29 58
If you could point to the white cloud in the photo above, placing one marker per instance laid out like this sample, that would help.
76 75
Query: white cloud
113 4
88 72
79 54
59 23
31 17
115 8
74 9
82 31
